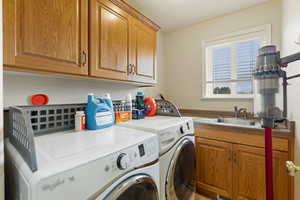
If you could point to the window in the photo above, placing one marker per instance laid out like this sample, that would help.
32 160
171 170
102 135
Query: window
229 61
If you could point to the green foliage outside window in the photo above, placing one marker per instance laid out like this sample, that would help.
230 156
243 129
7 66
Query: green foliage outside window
222 90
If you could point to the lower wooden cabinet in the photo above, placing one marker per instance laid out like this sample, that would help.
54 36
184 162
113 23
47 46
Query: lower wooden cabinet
237 171
249 174
214 166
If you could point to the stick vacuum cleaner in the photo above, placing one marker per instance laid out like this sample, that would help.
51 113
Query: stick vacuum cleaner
268 71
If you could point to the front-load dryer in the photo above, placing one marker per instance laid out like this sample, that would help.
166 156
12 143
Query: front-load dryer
178 171
115 163
177 154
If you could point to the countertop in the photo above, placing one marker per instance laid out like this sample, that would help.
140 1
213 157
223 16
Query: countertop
256 129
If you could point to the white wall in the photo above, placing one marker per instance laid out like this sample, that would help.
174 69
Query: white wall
183 51
19 87
1 112
290 31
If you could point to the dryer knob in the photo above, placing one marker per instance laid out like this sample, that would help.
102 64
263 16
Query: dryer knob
181 130
188 126
123 161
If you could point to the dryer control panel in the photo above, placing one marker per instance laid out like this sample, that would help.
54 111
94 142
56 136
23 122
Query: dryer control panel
187 127
171 135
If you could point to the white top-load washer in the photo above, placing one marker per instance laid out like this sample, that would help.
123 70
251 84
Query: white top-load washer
113 163
177 154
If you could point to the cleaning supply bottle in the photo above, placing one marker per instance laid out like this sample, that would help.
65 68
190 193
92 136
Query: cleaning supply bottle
79 121
123 110
99 112
128 105
140 100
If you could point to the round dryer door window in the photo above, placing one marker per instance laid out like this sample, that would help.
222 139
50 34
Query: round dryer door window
181 180
139 187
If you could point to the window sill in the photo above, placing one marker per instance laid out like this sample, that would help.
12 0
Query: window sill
227 98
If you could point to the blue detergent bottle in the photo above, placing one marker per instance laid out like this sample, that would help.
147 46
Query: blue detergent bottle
99 112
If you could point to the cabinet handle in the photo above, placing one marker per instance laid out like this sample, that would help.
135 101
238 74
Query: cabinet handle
84 58
230 155
129 69
132 69
234 157
135 69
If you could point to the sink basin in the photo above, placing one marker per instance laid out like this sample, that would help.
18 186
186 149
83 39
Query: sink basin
229 121
237 121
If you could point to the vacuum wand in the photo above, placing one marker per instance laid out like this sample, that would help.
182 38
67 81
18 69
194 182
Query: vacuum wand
267 74
269 164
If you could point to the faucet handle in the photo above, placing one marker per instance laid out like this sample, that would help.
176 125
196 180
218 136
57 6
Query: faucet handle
235 108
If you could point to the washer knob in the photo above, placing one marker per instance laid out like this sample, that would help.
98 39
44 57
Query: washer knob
123 161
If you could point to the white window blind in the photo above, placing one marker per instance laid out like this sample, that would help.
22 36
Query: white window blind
231 66
228 62
222 63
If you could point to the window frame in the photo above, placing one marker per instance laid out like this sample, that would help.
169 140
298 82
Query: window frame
260 32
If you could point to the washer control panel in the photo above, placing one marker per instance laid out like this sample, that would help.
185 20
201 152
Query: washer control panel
134 156
97 172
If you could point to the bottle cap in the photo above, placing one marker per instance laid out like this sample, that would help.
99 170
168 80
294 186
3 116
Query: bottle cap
79 112
128 97
107 96
140 93
90 94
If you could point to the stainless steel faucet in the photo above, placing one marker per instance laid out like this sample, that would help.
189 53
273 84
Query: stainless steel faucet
239 112
235 111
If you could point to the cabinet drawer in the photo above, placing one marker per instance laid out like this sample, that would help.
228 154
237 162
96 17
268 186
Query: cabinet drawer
251 139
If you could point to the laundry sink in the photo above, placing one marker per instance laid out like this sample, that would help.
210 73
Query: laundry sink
238 121
228 121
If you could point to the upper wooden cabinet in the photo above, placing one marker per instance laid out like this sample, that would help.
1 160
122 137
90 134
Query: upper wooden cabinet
142 51
109 40
49 35
122 47
105 39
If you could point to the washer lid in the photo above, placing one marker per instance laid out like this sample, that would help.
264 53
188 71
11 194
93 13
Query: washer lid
80 147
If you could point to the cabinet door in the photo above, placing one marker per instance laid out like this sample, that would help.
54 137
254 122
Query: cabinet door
48 35
109 40
142 51
249 174
214 166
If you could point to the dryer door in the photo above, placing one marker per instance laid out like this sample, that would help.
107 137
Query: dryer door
181 177
139 187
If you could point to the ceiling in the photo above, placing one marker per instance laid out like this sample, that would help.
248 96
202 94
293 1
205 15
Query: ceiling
173 14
